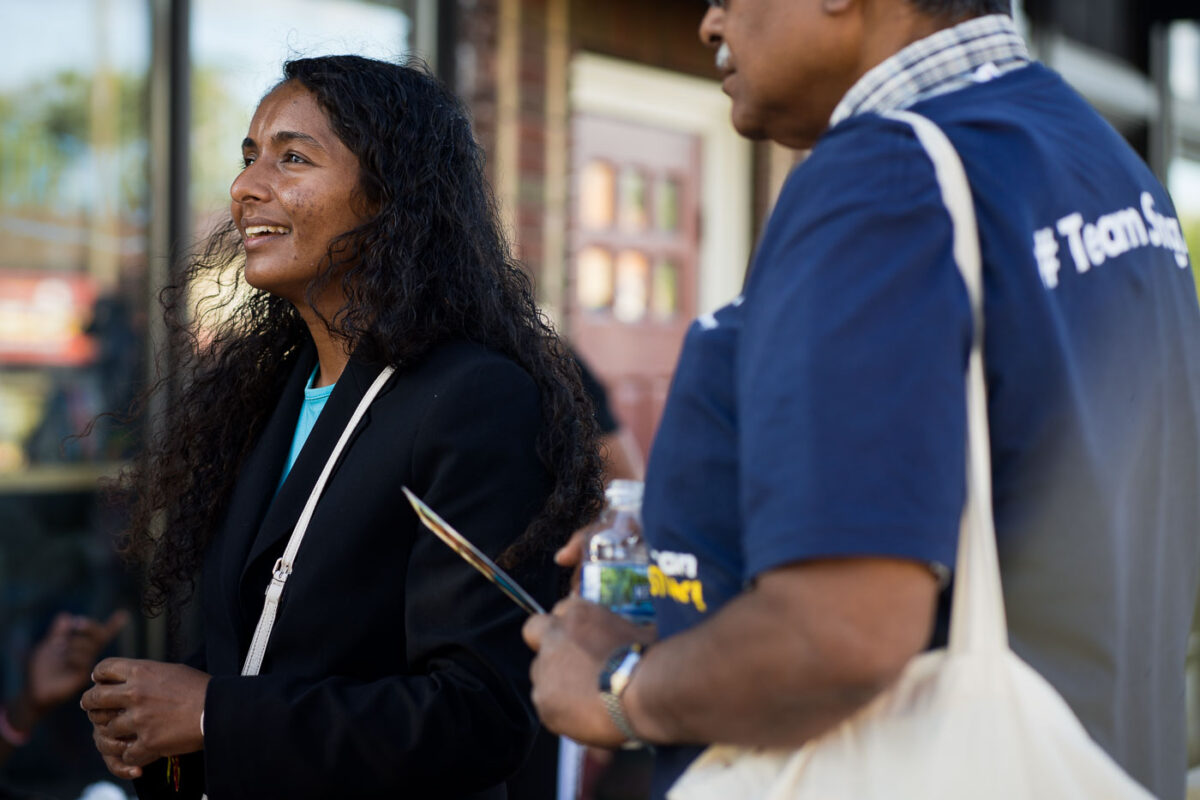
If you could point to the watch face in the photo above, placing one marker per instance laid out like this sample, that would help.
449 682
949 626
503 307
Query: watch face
621 677
610 666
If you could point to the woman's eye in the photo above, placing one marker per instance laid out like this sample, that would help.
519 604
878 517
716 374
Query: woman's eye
293 158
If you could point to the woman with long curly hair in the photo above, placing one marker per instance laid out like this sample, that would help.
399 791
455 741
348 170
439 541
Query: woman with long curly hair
368 238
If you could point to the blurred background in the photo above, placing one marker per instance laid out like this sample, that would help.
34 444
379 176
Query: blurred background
630 199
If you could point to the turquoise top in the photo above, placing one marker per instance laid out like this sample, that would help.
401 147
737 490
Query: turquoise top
314 401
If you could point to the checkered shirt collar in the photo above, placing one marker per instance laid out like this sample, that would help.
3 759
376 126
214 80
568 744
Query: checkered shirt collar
948 60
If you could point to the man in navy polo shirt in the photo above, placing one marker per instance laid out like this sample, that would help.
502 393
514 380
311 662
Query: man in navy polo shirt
804 491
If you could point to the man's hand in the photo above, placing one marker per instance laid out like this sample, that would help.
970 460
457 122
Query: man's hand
570 555
572 644
60 663
144 710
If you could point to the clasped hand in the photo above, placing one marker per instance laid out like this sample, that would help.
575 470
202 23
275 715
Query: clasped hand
142 711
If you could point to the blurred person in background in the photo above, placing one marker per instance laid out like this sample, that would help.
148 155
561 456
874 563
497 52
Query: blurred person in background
369 238
58 669
806 484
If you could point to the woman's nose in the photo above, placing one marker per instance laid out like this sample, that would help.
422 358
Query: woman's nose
248 185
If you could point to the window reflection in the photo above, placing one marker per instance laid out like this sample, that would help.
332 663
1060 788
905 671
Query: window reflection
73 212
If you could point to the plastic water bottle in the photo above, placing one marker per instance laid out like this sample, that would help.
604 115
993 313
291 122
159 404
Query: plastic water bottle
615 557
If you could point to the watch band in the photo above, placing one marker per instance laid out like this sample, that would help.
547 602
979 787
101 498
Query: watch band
615 712
614 679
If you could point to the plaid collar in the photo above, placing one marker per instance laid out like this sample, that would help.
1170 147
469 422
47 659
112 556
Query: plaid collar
971 52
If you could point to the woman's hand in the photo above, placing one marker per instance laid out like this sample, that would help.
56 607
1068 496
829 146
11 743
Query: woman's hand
144 710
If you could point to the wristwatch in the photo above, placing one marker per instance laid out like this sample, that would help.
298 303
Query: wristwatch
614 679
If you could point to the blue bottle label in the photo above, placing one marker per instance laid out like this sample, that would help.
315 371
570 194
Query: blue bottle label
622 587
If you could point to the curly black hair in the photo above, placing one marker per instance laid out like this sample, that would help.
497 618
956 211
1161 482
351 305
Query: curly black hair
431 265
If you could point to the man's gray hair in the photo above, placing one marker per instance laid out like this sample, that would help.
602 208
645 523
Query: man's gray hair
962 8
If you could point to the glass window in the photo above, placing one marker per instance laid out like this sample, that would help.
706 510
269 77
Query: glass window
1184 44
1183 181
666 204
73 235
631 287
665 297
597 195
632 213
594 279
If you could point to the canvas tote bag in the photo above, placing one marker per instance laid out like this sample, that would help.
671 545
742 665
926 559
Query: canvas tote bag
968 722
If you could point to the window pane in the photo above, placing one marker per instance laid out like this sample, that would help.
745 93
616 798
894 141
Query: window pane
597 195
1183 180
666 204
632 215
1184 70
73 235
73 212
665 297
594 279
633 273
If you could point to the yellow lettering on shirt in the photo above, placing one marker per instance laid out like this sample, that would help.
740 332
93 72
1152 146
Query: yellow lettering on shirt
685 592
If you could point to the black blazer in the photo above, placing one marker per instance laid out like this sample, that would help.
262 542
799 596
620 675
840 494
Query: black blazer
394 669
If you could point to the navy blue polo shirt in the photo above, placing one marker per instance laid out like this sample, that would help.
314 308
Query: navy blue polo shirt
821 414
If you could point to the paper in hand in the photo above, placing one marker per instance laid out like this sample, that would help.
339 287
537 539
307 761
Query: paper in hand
473 555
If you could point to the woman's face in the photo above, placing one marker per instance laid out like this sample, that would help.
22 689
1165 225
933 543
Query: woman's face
295 195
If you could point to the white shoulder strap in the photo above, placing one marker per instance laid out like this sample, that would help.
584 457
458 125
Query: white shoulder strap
977 619
283 567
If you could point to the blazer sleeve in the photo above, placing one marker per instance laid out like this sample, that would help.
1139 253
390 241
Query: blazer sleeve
461 720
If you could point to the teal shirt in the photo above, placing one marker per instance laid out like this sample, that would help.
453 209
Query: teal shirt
314 401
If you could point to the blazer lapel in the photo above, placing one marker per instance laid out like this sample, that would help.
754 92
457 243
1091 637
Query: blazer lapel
255 487
284 510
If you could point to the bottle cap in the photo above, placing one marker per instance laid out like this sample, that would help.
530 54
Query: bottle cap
624 493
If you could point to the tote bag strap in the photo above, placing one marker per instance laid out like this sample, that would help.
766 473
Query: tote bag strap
283 567
977 620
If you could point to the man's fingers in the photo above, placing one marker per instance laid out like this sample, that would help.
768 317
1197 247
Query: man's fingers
534 630
571 553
